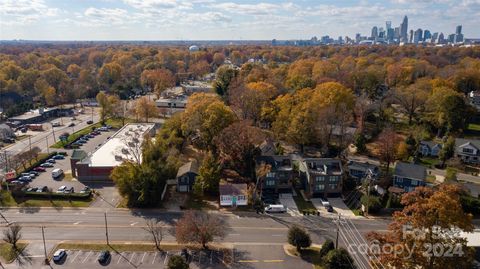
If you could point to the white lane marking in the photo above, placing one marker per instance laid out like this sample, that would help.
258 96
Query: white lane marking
119 258
78 252
133 223
233 234
143 257
76 223
277 234
154 257
131 258
89 253
166 256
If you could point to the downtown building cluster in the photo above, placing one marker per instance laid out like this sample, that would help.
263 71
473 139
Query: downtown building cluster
389 35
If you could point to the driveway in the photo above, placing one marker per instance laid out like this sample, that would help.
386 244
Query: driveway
338 205
286 199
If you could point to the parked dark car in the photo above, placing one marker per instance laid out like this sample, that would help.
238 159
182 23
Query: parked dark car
89 121
58 157
71 124
329 208
104 257
34 189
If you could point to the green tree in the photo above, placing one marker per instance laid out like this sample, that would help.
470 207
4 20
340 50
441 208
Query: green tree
177 262
223 78
447 150
209 174
450 174
327 246
298 238
338 259
104 104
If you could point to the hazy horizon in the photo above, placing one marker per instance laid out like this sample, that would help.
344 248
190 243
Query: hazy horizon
177 20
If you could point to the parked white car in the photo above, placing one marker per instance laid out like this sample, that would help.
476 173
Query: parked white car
275 209
57 172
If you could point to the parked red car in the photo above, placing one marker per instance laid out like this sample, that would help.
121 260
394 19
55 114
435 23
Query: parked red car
39 169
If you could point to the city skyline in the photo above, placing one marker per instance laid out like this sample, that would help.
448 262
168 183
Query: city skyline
226 20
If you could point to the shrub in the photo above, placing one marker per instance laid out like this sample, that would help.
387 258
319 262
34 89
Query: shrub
326 247
298 237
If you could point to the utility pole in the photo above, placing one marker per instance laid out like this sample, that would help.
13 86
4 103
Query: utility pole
106 228
46 139
369 178
30 142
45 246
53 132
338 231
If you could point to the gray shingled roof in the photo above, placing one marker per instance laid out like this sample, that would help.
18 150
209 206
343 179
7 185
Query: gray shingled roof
191 166
430 144
410 170
462 141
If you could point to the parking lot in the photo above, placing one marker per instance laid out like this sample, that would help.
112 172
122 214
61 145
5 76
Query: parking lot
139 259
46 179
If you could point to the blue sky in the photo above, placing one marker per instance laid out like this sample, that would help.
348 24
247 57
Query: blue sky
225 19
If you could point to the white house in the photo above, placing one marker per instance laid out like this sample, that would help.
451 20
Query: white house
468 150
430 148
233 194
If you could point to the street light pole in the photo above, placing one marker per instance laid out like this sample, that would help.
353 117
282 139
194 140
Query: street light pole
106 228
44 246
338 231
46 139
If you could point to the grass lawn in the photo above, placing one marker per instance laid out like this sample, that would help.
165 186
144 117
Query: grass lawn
429 162
203 203
8 254
115 123
431 179
7 200
303 205
473 130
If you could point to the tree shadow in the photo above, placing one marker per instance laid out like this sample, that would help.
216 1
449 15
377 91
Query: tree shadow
123 256
23 257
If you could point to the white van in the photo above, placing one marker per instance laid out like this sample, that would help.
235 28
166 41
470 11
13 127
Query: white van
275 209
57 172
55 123
325 202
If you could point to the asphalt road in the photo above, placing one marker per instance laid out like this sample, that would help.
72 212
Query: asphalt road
245 230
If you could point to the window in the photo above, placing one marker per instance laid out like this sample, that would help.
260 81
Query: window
414 182
270 183
319 187
271 174
241 197
399 179
334 178
467 150
319 178
332 186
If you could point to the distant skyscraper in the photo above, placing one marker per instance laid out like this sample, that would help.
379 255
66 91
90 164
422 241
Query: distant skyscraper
410 37
396 33
357 37
458 30
441 39
404 30
434 37
458 35
388 25
417 36
427 35
374 32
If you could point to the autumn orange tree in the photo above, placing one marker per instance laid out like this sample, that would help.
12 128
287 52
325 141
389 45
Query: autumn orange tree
204 118
423 234
237 147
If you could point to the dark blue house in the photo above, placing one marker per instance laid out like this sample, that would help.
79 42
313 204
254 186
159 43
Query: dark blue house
186 176
408 176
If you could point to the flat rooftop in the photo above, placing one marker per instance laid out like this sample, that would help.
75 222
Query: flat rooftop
123 145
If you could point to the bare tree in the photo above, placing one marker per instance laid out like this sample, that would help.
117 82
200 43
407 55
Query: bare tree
13 234
155 230
199 227
388 142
